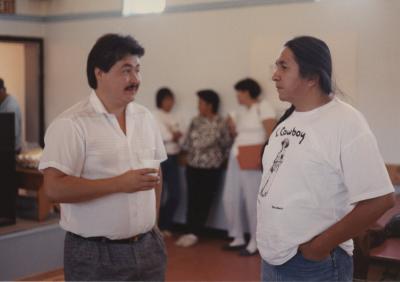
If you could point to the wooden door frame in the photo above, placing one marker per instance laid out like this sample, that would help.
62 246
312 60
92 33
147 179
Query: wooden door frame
39 41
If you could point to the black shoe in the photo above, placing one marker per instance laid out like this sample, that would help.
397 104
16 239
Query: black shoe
228 247
246 253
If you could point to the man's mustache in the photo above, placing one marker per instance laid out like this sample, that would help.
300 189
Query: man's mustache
132 86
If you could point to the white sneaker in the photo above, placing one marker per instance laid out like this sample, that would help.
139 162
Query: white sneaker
190 240
180 240
166 233
187 240
251 247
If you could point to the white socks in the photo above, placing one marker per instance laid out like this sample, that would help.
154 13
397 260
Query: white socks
252 245
237 241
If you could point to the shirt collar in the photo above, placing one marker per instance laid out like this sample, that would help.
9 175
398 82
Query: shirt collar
99 106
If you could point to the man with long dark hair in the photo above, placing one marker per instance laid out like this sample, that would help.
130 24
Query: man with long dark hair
324 180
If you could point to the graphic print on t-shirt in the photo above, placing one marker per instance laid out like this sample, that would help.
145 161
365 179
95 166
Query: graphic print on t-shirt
290 132
274 168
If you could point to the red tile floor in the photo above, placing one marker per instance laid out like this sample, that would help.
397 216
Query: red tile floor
207 262
202 262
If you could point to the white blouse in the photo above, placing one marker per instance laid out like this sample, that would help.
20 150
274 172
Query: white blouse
249 124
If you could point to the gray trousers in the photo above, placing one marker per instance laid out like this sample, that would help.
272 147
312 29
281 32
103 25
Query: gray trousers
86 260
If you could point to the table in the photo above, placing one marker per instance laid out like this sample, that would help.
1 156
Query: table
362 244
388 250
32 179
384 219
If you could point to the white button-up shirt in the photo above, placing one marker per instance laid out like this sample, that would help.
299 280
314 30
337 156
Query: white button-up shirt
86 141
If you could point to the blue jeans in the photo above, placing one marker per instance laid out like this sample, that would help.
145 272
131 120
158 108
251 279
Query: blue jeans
337 267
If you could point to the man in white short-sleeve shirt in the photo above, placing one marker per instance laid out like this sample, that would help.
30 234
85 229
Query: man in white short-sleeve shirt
98 162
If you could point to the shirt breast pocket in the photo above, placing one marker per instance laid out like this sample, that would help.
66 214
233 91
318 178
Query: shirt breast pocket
141 154
105 154
145 145
145 153
102 146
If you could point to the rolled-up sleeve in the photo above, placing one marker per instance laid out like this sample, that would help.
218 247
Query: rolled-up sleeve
64 148
365 174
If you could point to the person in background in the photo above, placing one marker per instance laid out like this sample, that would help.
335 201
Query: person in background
94 164
171 134
8 104
251 126
207 143
324 180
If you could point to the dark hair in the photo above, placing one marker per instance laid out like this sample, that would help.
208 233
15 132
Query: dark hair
163 93
314 59
2 86
211 97
109 49
249 85
285 115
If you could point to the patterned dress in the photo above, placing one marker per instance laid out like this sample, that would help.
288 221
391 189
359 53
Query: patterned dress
208 142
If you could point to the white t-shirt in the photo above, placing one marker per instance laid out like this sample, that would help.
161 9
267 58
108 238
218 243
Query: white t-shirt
168 123
86 141
317 165
249 124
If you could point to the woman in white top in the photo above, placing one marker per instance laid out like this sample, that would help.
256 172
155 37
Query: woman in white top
324 180
171 134
252 126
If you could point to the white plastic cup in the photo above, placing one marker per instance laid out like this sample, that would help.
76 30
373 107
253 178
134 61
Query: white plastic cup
150 163
232 115
175 127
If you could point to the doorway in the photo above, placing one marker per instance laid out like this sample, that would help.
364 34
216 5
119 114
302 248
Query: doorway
22 70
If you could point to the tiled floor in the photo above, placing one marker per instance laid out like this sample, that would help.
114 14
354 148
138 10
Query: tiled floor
202 262
207 262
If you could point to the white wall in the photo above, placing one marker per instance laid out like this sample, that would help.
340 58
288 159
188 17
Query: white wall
31 7
57 7
193 50
21 28
12 59
78 6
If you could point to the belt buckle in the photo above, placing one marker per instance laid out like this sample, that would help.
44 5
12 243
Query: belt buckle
134 238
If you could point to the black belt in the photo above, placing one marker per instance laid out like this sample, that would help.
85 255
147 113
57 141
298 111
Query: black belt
101 239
